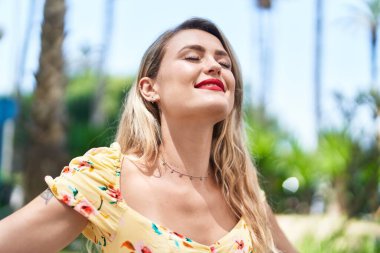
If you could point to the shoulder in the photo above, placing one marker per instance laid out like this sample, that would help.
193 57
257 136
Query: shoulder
90 176
99 161
101 157
90 185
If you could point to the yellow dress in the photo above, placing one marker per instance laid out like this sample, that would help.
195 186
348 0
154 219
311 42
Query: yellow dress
90 185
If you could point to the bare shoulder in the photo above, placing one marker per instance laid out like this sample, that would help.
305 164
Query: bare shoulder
137 183
31 223
133 174
132 164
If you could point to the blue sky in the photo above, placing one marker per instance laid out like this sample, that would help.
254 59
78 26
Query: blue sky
139 22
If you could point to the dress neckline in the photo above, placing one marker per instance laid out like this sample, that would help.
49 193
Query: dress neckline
150 223
167 230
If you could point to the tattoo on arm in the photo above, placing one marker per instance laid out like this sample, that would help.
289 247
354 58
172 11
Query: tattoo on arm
47 195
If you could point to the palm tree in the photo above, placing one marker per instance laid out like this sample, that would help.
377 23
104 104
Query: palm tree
264 4
373 15
98 115
264 8
46 153
367 12
317 65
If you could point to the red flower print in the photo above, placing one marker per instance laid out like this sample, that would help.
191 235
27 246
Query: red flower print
179 235
85 208
66 199
141 248
240 244
86 164
114 193
145 249
212 249
66 169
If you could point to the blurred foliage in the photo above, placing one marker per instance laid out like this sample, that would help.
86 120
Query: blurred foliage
338 242
342 171
80 94
7 183
278 156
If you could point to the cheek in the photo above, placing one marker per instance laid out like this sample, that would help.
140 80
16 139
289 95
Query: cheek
177 76
231 82
232 87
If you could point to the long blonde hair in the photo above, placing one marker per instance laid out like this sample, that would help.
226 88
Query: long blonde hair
139 133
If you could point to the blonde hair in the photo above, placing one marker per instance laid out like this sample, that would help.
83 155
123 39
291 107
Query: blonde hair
139 133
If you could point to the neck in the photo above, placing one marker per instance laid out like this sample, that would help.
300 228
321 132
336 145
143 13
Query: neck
187 146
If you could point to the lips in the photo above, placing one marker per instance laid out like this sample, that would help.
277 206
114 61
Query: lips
211 84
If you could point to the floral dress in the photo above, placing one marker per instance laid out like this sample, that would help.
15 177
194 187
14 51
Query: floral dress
90 185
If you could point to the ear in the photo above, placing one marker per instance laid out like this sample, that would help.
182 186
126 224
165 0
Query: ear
147 87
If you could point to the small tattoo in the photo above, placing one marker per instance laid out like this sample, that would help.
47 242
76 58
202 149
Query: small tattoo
47 195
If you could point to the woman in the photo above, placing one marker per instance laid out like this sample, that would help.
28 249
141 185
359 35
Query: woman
177 179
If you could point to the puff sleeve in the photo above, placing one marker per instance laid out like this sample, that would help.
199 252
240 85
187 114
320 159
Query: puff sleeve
90 185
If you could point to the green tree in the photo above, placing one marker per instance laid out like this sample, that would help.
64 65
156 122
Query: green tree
348 163
367 12
82 134
278 156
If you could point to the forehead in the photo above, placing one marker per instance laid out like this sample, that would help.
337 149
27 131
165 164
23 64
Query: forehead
193 37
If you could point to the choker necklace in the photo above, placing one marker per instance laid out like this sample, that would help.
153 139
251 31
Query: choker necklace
180 174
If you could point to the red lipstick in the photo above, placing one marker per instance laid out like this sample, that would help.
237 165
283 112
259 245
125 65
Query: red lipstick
219 84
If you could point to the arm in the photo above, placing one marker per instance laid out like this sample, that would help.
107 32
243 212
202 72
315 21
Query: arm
280 240
43 225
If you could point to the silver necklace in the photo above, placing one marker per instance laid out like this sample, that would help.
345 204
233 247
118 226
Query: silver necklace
180 174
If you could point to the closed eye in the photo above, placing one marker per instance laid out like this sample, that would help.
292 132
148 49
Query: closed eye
225 64
192 58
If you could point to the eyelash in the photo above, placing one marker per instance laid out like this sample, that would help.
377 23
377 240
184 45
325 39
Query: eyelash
196 58
192 58
225 65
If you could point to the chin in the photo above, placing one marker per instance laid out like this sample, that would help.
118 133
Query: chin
208 110
214 112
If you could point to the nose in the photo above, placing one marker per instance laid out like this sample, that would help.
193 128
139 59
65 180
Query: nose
213 67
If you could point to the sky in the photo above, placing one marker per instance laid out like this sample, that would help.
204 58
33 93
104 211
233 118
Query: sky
138 22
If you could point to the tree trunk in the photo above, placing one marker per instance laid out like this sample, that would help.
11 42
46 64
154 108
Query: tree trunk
98 116
264 26
317 65
46 152
264 4
374 55
373 194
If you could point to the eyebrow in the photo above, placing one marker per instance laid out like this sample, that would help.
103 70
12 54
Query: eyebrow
202 49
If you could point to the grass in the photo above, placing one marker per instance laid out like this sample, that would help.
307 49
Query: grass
339 242
331 233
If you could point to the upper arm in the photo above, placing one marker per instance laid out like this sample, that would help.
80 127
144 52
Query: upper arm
280 239
43 225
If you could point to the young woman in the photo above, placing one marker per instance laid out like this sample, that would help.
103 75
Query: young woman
177 179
